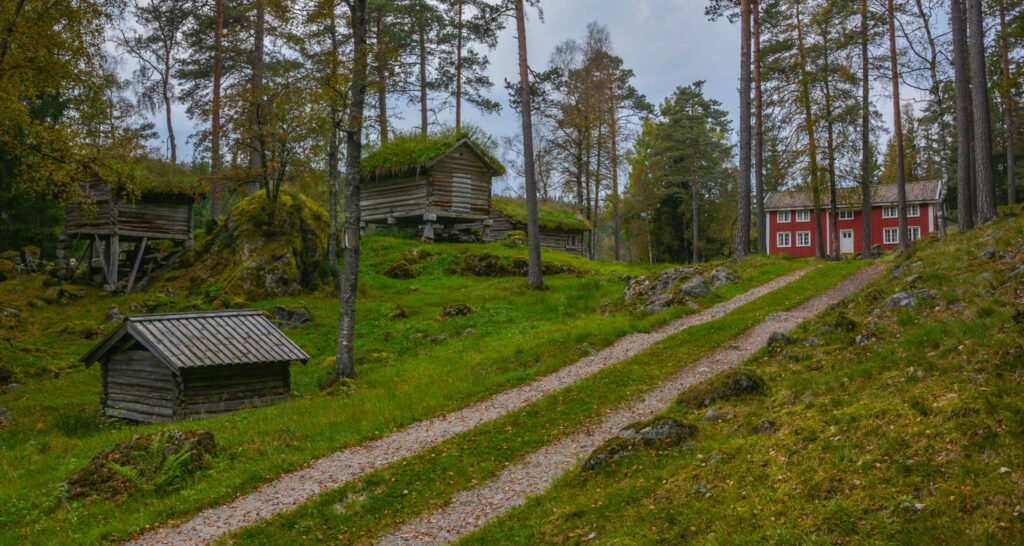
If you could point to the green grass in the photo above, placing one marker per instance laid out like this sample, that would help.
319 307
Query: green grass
914 438
365 508
410 369
549 215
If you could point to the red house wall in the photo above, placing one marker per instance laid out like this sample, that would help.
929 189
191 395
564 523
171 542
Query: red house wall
878 225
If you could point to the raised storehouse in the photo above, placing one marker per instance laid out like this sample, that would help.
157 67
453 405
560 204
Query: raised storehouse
791 215
158 368
560 227
118 222
423 181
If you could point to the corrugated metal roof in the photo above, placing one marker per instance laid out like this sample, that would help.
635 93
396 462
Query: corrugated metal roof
211 338
881 194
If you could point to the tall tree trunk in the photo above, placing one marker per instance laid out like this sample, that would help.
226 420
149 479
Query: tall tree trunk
256 165
762 226
458 68
344 364
695 206
742 247
812 143
865 132
1008 107
215 155
985 186
897 115
535 278
423 82
965 157
614 160
382 80
333 171
831 145
595 209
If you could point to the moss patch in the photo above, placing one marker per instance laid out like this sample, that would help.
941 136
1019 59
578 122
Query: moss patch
407 153
484 264
726 386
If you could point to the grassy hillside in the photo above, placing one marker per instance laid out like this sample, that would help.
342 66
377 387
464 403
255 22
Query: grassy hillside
901 425
412 366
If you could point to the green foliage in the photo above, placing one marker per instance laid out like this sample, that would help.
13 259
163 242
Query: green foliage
412 152
550 215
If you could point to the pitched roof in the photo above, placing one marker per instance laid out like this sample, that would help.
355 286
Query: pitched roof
413 152
550 215
211 338
881 194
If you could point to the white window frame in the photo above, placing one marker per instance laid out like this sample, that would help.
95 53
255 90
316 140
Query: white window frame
779 237
894 239
913 211
803 216
913 233
890 212
800 235
846 215
783 216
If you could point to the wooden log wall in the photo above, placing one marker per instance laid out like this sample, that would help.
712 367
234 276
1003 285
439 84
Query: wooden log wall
96 219
549 238
223 389
461 184
137 386
403 197
152 217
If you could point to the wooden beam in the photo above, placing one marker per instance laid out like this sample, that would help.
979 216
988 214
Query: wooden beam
135 268
114 253
103 259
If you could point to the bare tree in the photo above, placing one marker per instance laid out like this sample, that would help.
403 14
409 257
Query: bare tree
762 227
1008 105
865 130
155 44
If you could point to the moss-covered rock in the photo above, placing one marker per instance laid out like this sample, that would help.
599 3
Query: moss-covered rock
407 265
262 250
7 270
725 386
158 461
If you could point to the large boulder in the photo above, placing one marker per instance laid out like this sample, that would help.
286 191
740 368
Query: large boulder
264 250
291 315
694 288
670 288
657 433
159 461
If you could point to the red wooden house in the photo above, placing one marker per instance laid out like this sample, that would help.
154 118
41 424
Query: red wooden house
791 226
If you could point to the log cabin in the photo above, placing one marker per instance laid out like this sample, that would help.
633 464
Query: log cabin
561 228
118 221
791 214
164 367
440 180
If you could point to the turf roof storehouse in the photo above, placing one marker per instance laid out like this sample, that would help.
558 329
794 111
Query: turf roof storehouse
159 368
119 222
423 181
561 228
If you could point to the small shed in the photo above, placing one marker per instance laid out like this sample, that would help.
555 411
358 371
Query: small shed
119 223
419 180
561 228
163 367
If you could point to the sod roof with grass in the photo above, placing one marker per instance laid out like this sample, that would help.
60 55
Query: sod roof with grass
146 176
409 153
551 215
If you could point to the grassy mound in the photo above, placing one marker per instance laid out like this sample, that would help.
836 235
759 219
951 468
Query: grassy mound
262 250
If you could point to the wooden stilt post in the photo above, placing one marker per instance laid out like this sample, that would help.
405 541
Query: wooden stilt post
102 250
113 253
135 268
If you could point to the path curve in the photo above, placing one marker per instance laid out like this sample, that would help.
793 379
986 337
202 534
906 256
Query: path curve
473 508
332 471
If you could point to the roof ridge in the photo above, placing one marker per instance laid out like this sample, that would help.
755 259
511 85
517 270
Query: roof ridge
193 314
